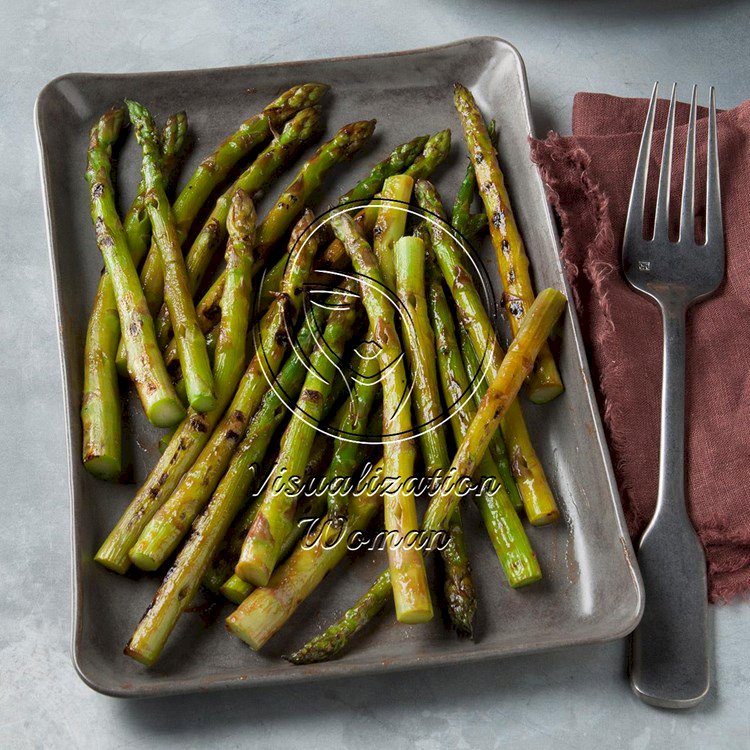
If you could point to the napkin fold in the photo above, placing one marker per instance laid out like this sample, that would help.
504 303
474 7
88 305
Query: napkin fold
588 177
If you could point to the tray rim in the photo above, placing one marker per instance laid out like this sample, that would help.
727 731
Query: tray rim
338 668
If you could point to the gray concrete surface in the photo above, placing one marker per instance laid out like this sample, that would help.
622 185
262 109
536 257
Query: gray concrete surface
577 698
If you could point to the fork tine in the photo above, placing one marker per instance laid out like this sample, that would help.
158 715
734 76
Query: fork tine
661 221
634 221
714 222
687 214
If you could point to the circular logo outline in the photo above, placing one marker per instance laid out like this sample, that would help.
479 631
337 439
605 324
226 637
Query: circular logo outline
479 275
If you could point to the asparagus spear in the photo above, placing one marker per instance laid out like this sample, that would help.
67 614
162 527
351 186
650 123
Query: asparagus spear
390 226
419 342
101 418
266 610
101 409
280 152
478 385
536 494
184 577
191 345
401 158
213 170
435 152
136 223
503 525
275 518
335 638
515 367
461 216
164 531
155 390
297 195
231 341
410 587
195 432
545 383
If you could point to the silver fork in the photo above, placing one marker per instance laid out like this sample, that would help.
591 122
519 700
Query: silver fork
669 657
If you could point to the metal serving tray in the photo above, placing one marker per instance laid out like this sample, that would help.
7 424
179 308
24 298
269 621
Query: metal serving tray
592 589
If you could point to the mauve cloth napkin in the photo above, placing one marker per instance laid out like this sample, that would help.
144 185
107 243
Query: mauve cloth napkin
588 176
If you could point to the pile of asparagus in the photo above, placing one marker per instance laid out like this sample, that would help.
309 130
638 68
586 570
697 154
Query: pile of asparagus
243 370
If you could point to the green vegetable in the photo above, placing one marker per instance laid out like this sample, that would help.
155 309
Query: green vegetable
191 345
545 383
410 587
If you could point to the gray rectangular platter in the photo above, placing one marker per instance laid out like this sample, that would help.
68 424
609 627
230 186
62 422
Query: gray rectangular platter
592 589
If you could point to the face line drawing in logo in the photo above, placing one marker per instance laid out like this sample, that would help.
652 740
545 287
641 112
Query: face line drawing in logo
345 369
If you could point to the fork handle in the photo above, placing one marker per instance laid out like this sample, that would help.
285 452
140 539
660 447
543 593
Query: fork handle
669 654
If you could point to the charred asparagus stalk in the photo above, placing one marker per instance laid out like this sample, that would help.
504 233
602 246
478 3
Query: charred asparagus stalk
434 154
101 417
334 639
536 494
410 587
391 223
419 342
164 531
155 390
545 383
478 385
137 224
191 344
503 525
230 354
